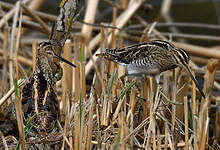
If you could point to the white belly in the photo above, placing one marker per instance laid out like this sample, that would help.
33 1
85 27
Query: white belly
139 70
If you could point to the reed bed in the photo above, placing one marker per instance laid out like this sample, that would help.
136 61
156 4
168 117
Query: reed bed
100 107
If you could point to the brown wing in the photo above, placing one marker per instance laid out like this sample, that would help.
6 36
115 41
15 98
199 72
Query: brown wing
127 55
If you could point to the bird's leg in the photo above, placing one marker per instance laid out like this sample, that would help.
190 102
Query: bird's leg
157 78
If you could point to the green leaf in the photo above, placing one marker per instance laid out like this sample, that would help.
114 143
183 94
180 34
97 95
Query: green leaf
81 55
111 83
127 88
117 143
16 87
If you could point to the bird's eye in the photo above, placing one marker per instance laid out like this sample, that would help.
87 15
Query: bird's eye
49 52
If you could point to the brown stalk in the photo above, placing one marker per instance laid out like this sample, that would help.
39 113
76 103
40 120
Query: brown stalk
121 69
18 104
67 120
77 94
67 78
18 38
82 92
90 122
83 79
89 18
34 53
194 112
68 143
186 123
146 91
166 136
76 80
208 89
5 61
121 130
124 4
115 115
182 80
174 96
76 130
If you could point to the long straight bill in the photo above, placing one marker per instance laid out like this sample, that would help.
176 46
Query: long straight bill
66 61
195 81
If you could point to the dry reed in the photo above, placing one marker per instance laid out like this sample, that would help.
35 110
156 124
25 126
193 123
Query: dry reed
114 111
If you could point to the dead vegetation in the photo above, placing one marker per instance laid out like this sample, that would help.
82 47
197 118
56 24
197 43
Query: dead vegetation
100 108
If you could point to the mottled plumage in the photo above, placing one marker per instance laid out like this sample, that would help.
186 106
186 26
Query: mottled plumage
150 58
38 95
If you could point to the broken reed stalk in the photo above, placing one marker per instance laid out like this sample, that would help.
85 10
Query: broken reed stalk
67 119
82 68
76 130
90 122
77 91
205 106
67 78
166 136
34 53
76 79
194 113
18 38
18 105
12 44
186 123
174 94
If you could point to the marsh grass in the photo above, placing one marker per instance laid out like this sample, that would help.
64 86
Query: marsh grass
113 111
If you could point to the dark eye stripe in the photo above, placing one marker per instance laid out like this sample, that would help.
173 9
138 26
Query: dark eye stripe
164 43
184 54
42 44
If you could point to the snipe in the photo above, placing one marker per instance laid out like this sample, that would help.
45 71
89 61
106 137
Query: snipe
150 58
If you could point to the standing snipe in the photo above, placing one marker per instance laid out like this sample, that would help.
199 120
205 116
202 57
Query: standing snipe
150 58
